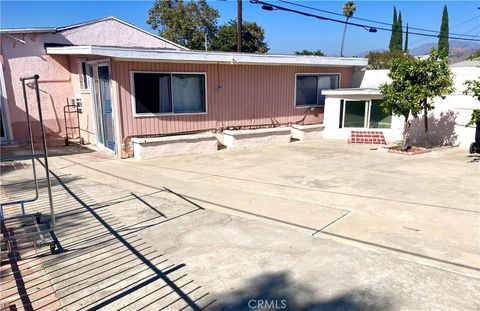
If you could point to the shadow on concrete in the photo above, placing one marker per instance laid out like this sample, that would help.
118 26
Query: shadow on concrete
278 291
474 158
441 130
315 231
115 264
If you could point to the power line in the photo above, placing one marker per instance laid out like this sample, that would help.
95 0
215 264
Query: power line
271 7
453 27
377 22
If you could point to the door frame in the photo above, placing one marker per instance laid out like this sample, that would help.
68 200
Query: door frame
95 99
7 126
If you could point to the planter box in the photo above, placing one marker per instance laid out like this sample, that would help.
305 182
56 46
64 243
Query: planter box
148 148
307 132
257 137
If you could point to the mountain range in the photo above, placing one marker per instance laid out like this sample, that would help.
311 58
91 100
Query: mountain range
459 50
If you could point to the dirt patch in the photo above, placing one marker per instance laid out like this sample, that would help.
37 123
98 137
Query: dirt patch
410 150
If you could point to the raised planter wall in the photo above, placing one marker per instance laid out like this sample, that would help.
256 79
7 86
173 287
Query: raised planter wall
148 148
307 132
258 137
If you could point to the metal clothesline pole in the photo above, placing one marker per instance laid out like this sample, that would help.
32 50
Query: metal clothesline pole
36 217
45 151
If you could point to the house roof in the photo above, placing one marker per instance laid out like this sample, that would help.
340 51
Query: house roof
467 63
145 54
353 91
28 30
78 25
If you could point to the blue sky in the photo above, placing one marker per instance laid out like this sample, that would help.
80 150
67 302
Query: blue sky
285 32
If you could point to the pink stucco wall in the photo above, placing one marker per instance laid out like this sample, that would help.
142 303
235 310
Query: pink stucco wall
113 33
27 59
237 95
86 116
58 76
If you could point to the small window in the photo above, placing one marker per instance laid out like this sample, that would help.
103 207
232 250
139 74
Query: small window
363 114
378 117
157 93
309 89
83 76
354 114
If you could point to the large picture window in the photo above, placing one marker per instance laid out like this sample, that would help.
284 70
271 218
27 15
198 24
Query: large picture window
167 93
309 88
363 114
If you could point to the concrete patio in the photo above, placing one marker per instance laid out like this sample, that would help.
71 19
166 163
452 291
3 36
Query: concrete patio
321 224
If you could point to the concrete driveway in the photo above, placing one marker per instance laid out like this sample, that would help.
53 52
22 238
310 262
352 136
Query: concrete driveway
323 224
424 208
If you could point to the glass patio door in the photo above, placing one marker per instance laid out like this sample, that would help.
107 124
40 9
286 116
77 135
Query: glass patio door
103 107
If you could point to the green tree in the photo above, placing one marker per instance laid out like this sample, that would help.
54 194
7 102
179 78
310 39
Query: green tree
405 49
253 38
391 46
474 56
383 60
473 88
399 39
348 10
307 52
415 83
396 38
184 22
443 46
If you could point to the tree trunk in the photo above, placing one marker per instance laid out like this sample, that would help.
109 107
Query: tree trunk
406 130
425 117
343 38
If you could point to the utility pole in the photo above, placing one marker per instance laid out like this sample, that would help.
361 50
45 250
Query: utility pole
239 25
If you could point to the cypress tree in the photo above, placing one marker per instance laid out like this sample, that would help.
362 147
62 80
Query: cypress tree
399 36
391 46
443 46
406 41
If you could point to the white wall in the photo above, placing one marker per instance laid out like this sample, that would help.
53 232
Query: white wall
332 117
446 122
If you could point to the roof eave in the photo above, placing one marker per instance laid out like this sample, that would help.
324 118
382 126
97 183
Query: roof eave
352 92
130 54
10 31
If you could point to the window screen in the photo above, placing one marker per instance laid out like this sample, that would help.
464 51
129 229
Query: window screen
354 114
188 93
169 93
309 89
379 118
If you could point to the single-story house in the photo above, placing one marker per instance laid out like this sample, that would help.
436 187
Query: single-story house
358 109
132 84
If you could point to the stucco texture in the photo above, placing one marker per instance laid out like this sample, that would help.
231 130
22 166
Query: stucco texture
58 74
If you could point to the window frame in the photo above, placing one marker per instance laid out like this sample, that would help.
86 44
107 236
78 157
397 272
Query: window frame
368 110
366 117
313 74
86 76
161 114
